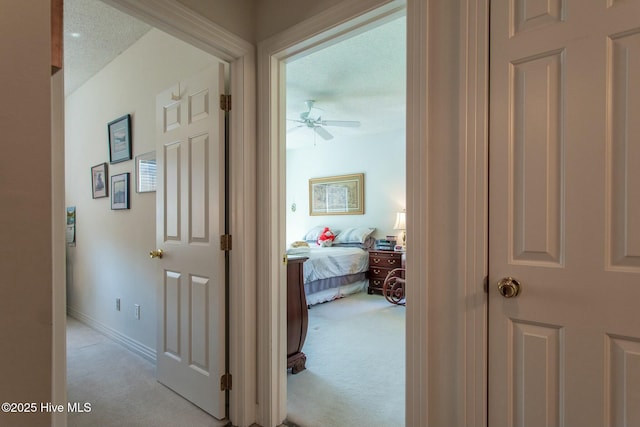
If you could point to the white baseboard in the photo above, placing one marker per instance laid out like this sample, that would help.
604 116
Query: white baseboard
129 343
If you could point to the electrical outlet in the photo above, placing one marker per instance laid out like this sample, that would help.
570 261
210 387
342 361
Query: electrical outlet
117 304
137 311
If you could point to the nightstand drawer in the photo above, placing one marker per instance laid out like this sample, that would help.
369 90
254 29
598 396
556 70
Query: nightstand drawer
382 259
380 273
381 263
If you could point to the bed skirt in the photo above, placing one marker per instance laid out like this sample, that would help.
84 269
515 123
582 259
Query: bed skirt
324 290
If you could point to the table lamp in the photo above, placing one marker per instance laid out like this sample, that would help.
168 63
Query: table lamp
401 224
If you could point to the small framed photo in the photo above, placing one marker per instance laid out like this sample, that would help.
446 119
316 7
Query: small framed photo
120 191
146 172
99 186
120 139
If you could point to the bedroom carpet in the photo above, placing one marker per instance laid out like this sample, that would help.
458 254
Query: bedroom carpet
355 350
121 386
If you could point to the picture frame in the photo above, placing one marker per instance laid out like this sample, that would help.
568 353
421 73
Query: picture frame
120 191
119 131
146 172
71 226
99 181
337 195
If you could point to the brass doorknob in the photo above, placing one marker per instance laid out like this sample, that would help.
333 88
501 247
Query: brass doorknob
156 254
508 287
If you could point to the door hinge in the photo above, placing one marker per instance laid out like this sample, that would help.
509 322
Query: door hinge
225 102
225 382
225 242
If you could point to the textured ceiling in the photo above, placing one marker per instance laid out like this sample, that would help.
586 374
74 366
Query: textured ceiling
361 78
94 34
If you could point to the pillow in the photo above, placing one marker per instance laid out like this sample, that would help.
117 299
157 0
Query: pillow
299 244
368 243
299 247
312 235
353 235
326 237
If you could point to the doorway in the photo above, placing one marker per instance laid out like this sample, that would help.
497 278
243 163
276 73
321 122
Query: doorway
120 295
173 18
346 115
446 206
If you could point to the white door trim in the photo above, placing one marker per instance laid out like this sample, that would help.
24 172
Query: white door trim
446 193
273 53
473 211
182 23
447 106
323 28
58 252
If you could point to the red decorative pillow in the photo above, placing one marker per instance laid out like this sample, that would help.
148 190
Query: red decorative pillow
326 237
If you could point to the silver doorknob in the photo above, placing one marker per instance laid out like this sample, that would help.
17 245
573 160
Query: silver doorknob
156 254
508 287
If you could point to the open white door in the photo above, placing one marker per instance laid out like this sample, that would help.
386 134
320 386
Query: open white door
190 220
565 213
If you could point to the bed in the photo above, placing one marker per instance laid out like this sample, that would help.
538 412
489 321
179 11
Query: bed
335 271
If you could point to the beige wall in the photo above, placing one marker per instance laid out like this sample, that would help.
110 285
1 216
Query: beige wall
257 20
274 16
237 16
25 210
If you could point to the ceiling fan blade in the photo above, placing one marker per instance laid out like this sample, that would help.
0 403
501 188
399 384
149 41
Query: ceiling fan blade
323 133
341 123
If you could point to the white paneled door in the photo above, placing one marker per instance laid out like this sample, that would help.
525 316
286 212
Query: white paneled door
564 213
190 219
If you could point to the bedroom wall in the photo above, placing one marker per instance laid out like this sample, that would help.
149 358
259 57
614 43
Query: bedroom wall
382 160
111 256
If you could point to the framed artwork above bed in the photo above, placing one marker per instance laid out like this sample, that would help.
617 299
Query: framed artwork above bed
337 195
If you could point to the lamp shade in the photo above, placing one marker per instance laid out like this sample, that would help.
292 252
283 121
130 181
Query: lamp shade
401 221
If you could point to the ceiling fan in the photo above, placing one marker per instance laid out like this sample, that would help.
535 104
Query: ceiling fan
310 120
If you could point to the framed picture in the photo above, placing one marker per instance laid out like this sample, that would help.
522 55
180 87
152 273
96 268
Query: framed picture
71 226
120 139
120 191
337 195
99 186
146 172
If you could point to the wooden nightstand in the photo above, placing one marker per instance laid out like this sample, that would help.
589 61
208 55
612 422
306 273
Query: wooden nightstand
380 264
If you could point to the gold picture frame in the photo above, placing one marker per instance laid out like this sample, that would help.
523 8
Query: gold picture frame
337 195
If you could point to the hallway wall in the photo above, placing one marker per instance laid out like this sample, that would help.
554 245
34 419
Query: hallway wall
26 210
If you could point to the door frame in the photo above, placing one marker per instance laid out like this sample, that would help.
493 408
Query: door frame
186 25
447 176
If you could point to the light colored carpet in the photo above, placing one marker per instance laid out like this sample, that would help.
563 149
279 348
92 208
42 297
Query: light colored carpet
121 386
355 350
